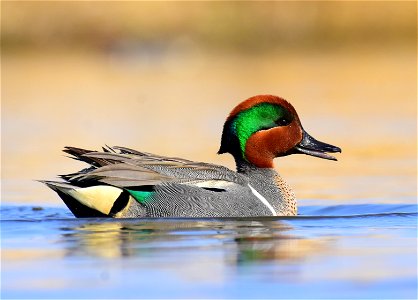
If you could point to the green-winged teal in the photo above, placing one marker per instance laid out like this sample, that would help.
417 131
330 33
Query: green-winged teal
124 183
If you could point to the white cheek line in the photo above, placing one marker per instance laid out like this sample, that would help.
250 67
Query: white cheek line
262 199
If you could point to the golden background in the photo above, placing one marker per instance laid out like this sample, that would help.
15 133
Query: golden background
162 76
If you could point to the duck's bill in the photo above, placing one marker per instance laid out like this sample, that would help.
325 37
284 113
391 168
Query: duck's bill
310 146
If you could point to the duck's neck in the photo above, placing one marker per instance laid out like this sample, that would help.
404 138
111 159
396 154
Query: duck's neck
245 167
271 186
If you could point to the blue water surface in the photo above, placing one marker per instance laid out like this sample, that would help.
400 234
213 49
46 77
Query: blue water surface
341 251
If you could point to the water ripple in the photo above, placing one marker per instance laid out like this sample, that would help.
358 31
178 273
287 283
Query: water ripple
37 213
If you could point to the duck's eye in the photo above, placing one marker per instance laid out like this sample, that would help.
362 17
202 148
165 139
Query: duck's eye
283 121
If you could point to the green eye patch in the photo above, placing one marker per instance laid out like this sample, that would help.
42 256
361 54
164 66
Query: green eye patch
262 116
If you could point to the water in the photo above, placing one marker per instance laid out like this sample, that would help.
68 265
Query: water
342 251
356 235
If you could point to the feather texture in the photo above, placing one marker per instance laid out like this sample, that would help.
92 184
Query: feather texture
141 168
174 187
133 183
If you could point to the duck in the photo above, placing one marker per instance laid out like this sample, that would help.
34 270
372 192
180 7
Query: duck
120 182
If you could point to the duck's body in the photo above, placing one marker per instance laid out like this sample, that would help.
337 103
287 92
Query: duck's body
125 183
146 185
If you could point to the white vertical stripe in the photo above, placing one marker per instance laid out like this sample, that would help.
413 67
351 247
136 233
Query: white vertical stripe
262 199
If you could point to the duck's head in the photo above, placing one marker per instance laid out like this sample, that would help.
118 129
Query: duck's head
264 127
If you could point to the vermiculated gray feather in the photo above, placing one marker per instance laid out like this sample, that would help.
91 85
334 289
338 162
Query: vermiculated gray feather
181 188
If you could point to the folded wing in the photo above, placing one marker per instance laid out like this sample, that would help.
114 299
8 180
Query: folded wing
124 167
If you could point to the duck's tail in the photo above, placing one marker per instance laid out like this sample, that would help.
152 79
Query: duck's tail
95 201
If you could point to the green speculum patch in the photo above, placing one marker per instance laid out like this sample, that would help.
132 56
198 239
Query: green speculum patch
141 196
259 117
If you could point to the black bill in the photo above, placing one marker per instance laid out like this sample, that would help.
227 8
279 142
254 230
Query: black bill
310 146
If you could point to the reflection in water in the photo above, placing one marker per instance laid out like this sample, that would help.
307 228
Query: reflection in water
283 248
211 258
239 241
128 99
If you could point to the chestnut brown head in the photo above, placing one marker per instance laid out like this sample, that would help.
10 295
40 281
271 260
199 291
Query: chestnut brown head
264 127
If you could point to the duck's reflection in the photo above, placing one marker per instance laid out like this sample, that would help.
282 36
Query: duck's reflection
239 241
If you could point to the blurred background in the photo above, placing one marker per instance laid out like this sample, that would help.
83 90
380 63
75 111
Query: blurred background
162 76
